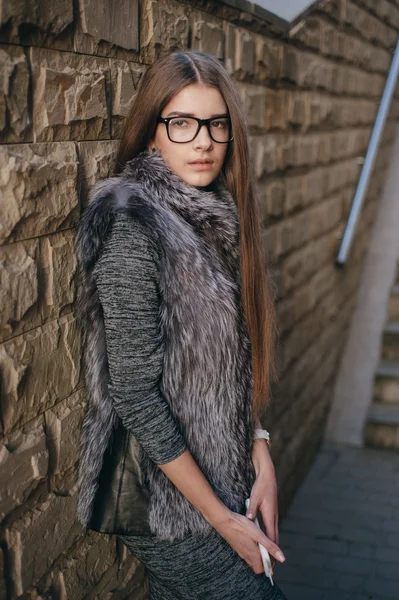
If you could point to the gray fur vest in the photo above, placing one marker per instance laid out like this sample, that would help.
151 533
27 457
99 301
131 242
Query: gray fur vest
198 231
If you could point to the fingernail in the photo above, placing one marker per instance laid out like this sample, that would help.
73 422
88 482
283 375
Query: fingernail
249 515
280 556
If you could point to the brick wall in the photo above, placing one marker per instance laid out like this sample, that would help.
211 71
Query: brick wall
69 72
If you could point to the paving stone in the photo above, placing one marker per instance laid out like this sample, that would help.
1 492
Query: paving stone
361 550
388 588
388 570
387 554
354 527
350 583
301 592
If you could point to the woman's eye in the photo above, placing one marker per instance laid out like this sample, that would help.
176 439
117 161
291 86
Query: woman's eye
218 124
180 123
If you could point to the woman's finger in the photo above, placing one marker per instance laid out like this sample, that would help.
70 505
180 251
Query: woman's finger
253 508
269 522
270 546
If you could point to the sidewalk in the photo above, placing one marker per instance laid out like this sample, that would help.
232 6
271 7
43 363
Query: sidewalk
341 534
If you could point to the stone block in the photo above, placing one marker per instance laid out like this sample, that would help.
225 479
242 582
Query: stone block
270 244
125 79
19 289
59 273
20 19
23 464
69 96
96 161
208 35
307 149
276 109
268 59
253 99
305 69
308 31
272 195
131 581
317 109
266 151
244 60
38 281
15 115
369 27
38 183
85 566
341 174
164 25
299 266
297 110
63 427
116 23
50 527
295 193
39 368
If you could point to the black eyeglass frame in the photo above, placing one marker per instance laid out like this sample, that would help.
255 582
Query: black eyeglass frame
200 122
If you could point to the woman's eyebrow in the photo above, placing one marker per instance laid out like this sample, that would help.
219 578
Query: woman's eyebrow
185 114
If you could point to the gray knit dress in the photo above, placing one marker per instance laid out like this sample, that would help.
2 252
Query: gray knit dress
198 567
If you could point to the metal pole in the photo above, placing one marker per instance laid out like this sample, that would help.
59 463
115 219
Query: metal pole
369 160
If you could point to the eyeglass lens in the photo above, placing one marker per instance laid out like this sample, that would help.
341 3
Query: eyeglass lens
183 129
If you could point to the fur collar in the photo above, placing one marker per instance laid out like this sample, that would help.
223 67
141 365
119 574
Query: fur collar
212 212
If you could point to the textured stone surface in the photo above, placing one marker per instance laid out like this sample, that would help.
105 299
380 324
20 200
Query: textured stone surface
125 79
164 25
49 527
244 63
268 55
24 462
83 568
38 281
39 368
116 23
59 273
69 96
48 16
38 183
208 35
15 117
96 162
19 293
63 425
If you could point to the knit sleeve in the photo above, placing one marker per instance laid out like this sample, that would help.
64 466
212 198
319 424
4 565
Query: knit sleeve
127 278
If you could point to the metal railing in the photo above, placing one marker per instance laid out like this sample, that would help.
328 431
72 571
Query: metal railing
369 161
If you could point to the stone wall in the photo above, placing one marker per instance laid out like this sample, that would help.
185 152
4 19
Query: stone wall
70 70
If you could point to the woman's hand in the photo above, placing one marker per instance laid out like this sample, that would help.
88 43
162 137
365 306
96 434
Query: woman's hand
244 536
263 496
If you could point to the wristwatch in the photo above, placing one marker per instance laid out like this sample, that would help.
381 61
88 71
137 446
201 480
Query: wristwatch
262 433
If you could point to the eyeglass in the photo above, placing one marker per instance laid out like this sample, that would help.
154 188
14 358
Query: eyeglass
185 129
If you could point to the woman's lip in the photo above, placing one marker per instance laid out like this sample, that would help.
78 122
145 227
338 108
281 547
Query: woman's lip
201 162
199 166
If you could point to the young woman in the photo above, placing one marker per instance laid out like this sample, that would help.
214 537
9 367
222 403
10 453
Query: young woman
178 328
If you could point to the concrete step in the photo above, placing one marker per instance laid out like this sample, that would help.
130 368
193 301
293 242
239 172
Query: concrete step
393 304
390 341
382 426
386 382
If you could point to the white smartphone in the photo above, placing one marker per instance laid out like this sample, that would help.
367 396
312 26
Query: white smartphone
267 564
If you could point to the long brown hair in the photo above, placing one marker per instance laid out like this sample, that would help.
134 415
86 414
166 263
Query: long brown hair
162 80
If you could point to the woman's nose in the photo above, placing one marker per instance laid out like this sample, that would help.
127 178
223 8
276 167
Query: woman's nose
203 138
